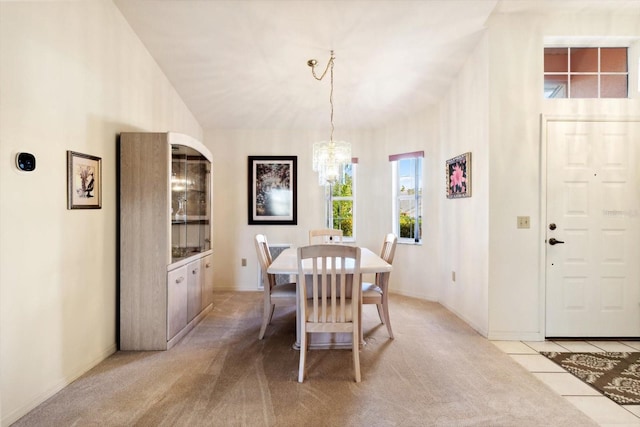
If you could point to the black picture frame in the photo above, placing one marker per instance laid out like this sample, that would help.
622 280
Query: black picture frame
84 181
272 190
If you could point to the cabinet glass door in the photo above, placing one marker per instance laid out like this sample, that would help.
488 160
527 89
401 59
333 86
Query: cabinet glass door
190 202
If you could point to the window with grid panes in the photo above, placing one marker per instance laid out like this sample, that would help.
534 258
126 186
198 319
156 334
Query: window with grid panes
586 72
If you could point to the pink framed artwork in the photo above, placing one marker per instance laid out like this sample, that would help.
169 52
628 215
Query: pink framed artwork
458 176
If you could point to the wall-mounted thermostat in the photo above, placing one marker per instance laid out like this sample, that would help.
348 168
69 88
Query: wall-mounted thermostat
26 162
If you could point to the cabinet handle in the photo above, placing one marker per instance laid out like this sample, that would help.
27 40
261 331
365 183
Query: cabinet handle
195 271
180 279
208 265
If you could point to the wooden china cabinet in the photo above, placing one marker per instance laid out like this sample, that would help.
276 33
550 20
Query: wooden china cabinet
166 283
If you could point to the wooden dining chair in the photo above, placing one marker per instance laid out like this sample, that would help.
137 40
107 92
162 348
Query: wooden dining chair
274 294
325 235
377 292
329 298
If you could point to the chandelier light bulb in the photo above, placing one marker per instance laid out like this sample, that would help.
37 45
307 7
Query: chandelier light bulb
330 159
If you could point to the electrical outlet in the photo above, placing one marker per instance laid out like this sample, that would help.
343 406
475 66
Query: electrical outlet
244 262
453 276
523 222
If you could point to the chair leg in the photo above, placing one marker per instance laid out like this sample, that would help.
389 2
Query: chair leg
356 354
380 313
387 321
273 309
303 355
267 314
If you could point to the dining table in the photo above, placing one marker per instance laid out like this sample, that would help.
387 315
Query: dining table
287 263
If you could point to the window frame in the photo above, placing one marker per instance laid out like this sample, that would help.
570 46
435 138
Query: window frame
417 197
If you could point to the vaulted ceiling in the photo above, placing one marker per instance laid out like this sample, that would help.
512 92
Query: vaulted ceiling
243 63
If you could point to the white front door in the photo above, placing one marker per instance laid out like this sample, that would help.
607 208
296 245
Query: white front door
593 213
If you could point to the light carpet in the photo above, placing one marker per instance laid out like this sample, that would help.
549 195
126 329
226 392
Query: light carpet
437 372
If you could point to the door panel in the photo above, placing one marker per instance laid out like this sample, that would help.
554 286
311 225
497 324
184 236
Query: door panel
194 290
176 301
593 198
207 285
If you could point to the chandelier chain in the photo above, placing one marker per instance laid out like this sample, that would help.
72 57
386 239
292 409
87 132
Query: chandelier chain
312 64
331 98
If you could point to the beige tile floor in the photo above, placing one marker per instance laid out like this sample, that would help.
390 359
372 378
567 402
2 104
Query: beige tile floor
601 409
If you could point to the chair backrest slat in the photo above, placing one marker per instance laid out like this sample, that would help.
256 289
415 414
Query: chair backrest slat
331 282
389 248
314 293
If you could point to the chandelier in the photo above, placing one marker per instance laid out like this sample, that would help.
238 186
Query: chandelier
329 157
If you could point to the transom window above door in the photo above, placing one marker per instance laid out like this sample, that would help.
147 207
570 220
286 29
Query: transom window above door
586 72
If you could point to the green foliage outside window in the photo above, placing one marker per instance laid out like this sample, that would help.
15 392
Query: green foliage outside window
407 226
343 217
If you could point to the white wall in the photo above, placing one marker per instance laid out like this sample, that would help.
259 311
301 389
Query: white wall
516 285
72 76
232 236
414 268
516 52
494 110
464 223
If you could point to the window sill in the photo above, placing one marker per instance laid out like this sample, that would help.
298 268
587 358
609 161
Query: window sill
409 242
